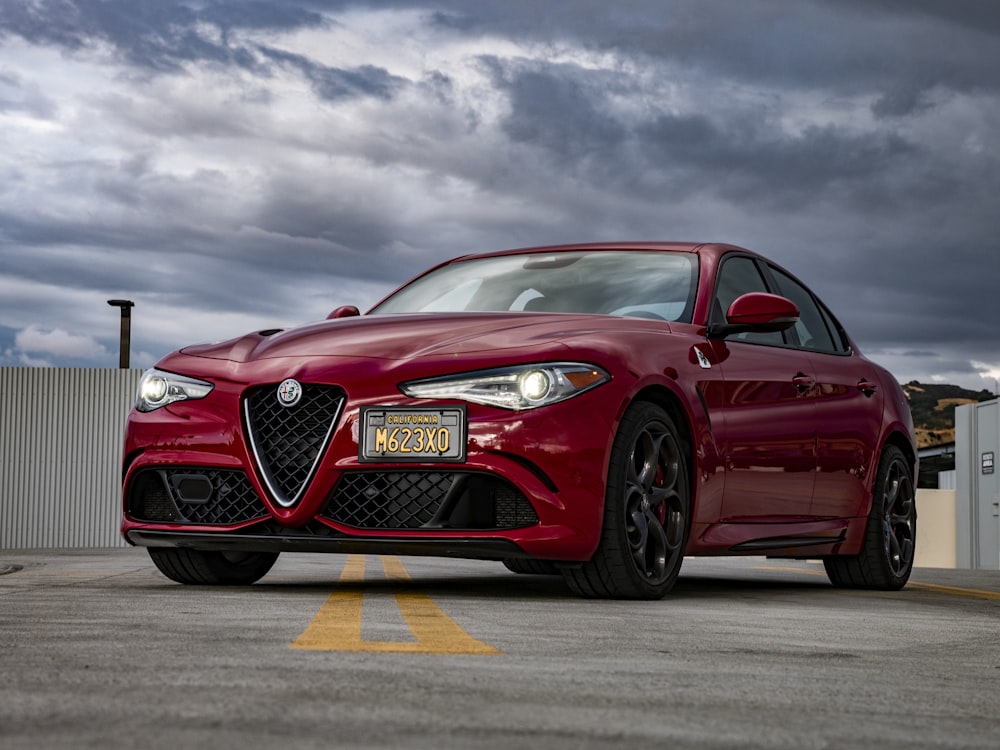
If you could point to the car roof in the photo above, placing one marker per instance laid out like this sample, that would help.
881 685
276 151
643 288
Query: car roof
712 249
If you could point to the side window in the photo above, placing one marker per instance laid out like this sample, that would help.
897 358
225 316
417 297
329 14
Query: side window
840 339
812 328
739 275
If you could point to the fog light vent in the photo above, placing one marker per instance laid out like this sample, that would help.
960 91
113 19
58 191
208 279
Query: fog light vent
189 495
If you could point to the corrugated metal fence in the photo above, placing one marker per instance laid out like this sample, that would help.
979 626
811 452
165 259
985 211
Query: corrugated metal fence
61 433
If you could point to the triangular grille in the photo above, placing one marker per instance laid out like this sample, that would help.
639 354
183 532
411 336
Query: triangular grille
288 441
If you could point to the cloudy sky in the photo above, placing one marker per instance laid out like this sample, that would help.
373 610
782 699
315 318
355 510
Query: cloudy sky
238 164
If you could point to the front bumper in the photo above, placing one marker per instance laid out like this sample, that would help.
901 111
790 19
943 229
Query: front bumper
190 479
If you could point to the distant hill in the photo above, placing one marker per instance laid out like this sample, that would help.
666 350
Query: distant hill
933 409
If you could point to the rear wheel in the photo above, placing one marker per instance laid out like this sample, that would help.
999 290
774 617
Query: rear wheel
647 512
886 557
211 568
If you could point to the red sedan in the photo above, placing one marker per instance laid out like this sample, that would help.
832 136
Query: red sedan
597 410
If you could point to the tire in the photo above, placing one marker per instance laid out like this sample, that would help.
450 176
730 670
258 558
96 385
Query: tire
886 557
531 567
202 567
647 512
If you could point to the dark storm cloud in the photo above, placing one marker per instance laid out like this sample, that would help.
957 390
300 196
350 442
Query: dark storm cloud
739 157
976 15
151 34
844 45
565 111
337 83
901 101
198 270
841 45
269 157
326 216
258 14
558 108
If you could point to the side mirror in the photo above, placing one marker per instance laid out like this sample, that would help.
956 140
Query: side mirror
756 312
345 311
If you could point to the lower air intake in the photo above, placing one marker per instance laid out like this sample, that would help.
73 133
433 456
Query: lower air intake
428 500
222 497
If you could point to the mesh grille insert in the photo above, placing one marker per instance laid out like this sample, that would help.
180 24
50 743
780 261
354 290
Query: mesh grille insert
288 441
428 500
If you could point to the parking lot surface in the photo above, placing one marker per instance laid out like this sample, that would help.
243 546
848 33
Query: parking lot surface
97 649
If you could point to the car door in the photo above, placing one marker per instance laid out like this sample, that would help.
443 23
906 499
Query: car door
848 404
763 409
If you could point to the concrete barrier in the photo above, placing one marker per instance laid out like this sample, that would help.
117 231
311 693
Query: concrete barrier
936 546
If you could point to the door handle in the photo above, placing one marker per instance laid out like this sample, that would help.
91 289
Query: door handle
867 387
803 382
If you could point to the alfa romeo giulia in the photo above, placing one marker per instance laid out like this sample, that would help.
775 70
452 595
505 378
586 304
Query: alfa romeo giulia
598 411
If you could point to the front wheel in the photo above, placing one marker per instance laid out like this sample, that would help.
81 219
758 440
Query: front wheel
647 512
204 567
886 557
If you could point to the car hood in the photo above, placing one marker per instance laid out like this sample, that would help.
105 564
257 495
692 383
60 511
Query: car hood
398 337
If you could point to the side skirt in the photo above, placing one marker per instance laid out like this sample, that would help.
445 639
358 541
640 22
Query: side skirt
779 538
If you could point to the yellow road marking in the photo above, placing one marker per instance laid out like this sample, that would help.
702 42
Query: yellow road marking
339 619
337 625
935 587
956 590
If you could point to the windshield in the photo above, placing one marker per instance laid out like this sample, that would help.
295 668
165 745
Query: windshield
659 285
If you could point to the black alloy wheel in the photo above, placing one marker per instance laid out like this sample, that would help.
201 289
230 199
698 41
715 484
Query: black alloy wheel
887 554
647 512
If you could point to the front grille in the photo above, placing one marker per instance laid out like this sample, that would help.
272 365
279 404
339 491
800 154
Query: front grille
223 497
427 500
288 441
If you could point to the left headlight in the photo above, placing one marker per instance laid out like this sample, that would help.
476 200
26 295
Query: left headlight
158 388
521 387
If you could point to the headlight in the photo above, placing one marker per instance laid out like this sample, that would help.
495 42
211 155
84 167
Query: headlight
521 387
158 388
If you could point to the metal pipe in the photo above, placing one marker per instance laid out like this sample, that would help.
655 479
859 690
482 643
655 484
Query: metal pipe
124 345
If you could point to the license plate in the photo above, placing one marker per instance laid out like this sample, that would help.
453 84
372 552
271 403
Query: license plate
412 434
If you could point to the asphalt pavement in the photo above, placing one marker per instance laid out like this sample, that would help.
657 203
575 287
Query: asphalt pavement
98 650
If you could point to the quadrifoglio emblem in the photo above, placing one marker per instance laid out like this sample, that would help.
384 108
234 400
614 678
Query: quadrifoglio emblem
289 392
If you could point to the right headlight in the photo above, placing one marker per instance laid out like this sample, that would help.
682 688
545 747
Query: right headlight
520 387
159 388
